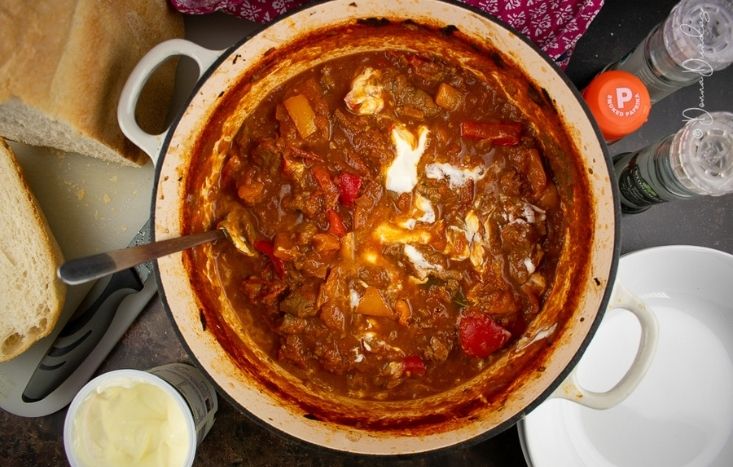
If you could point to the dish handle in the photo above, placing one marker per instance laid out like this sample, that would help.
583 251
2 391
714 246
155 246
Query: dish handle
152 144
571 389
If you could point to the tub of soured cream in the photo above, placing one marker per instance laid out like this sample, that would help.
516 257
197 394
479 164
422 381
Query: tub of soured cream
140 418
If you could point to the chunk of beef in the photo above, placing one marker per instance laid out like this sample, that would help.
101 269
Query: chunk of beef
293 349
301 302
411 101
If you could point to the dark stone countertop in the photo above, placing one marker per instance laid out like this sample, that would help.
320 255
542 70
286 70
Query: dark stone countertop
237 440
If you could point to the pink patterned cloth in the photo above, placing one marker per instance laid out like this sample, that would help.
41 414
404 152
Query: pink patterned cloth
259 11
554 25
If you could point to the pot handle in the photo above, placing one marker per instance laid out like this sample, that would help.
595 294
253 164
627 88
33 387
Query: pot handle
570 389
152 144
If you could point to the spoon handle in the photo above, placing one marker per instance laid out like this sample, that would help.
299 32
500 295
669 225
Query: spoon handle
87 268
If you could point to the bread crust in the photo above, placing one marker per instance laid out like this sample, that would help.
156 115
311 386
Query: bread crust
68 60
55 290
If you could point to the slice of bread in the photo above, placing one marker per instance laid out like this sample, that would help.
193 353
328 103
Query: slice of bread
63 64
31 296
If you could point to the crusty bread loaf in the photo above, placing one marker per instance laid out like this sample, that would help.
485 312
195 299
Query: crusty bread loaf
63 65
31 297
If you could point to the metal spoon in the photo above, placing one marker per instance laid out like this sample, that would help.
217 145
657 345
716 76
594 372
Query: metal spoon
237 226
80 270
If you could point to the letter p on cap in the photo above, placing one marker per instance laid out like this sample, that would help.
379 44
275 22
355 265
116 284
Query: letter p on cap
612 97
623 95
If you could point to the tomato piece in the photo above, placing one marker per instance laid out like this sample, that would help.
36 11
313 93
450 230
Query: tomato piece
498 133
349 186
267 248
335 224
480 336
414 365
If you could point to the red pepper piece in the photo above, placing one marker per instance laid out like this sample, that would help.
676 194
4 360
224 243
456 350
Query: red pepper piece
335 224
267 248
349 186
414 365
480 336
498 133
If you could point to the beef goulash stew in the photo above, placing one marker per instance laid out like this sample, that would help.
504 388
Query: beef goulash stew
402 223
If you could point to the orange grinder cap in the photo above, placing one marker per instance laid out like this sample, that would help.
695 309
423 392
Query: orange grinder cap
619 102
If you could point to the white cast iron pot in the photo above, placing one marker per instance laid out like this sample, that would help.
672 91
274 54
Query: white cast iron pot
222 72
